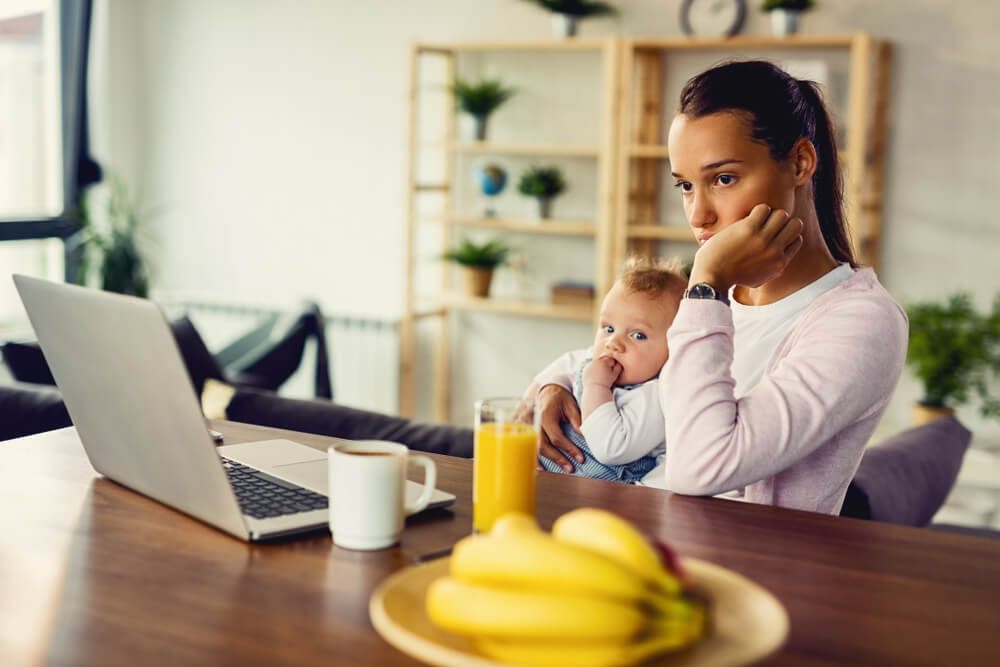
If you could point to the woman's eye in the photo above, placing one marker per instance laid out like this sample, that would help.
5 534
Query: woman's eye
638 335
683 186
725 179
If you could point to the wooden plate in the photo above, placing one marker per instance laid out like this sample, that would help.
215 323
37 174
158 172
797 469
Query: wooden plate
748 622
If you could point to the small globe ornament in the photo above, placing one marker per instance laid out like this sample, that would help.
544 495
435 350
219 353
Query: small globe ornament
492 179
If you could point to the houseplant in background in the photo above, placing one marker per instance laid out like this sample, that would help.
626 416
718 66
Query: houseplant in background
785 14
543 183
111 243
955 353
480 99
566 14
478 262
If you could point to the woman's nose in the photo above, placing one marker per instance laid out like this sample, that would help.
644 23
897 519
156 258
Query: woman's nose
700 212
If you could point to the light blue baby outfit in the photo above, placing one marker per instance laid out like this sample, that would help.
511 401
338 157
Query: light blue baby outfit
629 473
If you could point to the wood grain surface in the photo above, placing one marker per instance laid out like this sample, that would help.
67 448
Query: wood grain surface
94 574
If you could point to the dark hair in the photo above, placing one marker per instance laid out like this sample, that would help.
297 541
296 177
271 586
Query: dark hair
780 109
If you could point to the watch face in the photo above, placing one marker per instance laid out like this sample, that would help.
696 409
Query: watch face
712 18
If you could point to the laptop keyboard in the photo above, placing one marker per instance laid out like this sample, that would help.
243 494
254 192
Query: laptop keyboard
263 497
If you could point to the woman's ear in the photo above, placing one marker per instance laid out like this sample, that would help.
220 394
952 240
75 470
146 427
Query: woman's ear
804 161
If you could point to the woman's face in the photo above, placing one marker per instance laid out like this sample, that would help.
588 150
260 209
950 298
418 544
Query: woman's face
721 173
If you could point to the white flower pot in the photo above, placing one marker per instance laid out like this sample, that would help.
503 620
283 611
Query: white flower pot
784 22
564 25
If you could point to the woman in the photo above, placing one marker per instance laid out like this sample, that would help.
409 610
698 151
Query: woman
783 354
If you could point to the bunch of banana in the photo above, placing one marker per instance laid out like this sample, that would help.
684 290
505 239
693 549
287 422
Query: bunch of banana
594 592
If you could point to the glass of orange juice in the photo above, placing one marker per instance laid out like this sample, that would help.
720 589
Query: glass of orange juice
504 468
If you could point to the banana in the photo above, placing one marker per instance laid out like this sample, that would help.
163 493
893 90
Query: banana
616 538
534 560
477 610
514 522
558 653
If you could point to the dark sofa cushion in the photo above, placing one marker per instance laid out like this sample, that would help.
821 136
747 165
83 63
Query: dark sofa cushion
906 478
327 418
27 363
30 408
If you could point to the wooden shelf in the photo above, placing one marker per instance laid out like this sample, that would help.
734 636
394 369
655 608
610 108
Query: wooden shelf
575 44
526 149
660 232
738 43
554 227
511 307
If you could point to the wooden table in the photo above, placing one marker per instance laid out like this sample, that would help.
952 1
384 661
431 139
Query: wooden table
93 574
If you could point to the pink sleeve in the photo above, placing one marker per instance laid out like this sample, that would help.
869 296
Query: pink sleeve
835 368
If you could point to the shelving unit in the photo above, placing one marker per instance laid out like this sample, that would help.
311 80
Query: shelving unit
636 104
646 112
445 299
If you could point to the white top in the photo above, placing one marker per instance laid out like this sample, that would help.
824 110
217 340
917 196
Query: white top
759 329
625 428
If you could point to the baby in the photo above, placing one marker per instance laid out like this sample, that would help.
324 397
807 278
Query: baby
615 382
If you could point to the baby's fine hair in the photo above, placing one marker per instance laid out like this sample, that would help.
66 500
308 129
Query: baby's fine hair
654 277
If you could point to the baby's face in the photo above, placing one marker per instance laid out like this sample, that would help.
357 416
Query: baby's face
633 331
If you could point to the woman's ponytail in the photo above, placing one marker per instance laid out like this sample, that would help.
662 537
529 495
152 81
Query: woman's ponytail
828 188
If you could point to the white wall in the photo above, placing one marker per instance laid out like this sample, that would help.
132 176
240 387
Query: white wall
272 136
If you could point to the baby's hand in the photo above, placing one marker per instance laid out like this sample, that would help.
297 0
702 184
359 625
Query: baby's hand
602 371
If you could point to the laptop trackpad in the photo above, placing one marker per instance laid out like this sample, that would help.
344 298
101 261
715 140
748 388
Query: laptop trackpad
310 474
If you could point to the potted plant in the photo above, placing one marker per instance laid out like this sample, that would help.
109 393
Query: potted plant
114 251
480 99
478 262
785 14
953 351
543 183
566 14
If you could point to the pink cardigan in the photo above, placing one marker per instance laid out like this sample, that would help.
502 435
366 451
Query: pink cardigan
795 440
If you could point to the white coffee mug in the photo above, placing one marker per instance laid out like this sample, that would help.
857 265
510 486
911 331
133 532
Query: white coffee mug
368 492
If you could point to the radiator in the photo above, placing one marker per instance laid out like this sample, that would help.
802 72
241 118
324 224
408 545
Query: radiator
363 351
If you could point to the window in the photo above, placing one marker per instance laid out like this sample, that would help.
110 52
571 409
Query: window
30 111
43 140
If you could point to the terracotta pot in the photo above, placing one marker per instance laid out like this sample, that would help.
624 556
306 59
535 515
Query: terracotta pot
923 414
477 280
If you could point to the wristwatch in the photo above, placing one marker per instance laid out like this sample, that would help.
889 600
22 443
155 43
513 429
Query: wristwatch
705 291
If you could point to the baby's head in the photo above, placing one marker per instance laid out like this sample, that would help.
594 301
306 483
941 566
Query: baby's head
635 316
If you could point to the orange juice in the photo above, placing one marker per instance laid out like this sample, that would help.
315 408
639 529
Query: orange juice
503 473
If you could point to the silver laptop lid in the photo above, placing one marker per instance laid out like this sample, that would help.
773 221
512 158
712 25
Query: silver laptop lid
125 386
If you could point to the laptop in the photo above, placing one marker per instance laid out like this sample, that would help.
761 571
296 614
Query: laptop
129 395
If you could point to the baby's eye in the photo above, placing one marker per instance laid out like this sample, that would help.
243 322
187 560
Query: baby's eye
725 179
683 186
607 328
638 335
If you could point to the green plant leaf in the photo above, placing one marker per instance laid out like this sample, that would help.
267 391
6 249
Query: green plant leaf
955 352
490 254
480 98
795 5
581 8
541 182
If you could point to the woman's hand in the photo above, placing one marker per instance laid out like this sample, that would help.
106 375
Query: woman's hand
749 252
556 405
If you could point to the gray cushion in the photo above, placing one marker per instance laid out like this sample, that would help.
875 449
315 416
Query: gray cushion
908 477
